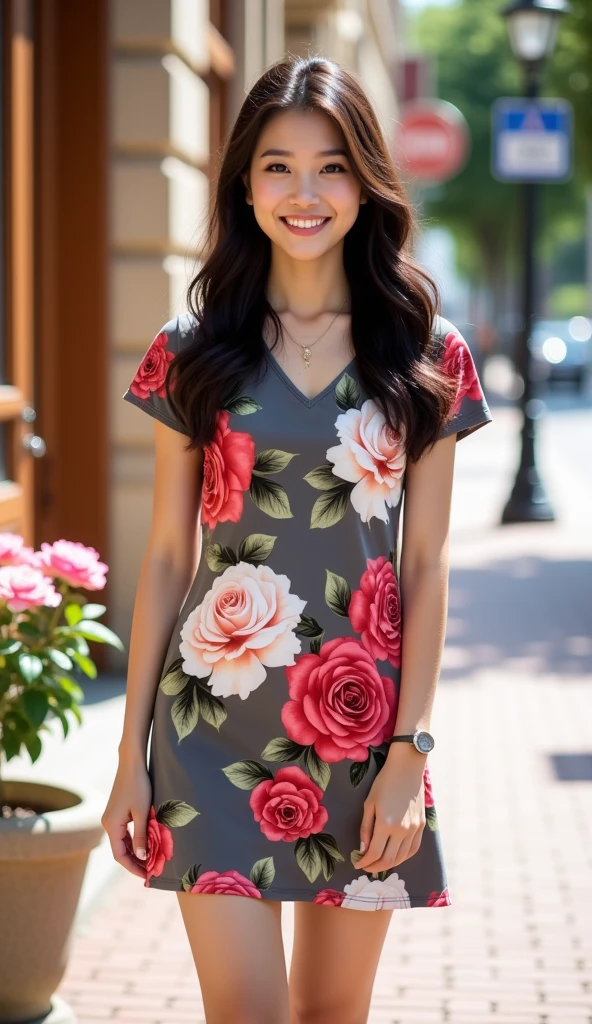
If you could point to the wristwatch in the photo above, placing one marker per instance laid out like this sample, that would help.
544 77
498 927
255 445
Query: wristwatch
422 740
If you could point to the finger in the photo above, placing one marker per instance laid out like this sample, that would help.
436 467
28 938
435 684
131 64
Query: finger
375 850
387 858
122 850
367 827
140 834
404 852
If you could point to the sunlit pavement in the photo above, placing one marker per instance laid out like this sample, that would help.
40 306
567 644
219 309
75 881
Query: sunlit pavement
511 770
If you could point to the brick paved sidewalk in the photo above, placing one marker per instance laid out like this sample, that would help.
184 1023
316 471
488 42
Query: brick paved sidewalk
512 788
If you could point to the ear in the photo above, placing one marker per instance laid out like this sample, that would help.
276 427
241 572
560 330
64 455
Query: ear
245 179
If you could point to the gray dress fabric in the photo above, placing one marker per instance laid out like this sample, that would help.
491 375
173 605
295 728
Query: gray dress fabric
279 686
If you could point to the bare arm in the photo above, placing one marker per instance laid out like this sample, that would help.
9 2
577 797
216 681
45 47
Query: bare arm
394 812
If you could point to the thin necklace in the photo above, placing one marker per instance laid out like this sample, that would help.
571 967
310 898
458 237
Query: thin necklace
307 349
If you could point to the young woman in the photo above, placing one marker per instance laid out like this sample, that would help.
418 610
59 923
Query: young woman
311 384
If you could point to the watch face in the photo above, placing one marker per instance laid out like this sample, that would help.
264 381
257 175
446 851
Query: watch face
425 743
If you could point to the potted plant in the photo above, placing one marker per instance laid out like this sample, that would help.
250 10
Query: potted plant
46 832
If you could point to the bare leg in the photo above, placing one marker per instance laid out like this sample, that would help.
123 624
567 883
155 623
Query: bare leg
334 961
237 947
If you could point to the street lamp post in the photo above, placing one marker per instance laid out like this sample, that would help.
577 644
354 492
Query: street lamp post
532 29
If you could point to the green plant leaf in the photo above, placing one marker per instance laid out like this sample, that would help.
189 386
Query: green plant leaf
358 771
76 712
270 497
330 507
242 406
174 813
72 613
190 877
27 628
337 593
318 769
220 558
211 708
347 393
73 642
30 667
9 646
272 460
35 704
308 626
185 712
308 858
262 873
71 687
322 478
99 632
247 774
282 749
175 680
93 611
86 665
63 719
60 659
34 745
11 743
256 547
431 819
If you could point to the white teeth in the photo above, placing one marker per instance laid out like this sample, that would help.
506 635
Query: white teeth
296 223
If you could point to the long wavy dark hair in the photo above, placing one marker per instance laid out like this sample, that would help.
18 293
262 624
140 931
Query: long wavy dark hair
393 300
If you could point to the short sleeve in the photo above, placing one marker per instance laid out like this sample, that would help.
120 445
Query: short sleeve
147 390
469 409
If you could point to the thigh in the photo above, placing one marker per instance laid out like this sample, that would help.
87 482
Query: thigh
237 947
334 961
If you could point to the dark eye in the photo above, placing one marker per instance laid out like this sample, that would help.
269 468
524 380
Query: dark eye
271 167
338 166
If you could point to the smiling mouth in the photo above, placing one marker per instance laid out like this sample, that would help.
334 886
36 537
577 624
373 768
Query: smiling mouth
305 225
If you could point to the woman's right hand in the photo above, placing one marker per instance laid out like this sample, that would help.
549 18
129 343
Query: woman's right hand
130 800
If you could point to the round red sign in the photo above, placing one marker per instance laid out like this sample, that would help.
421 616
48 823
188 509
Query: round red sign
432 142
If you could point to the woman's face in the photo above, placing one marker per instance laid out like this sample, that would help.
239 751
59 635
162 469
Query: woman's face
303 189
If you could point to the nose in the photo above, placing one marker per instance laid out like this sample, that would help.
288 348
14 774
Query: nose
304 194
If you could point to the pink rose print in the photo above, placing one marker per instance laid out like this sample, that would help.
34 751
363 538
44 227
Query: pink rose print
371 456
151 373
73 562
228 464
375 611
329 898
159 847
339 701
23 587
442 899
457 363
227 883
289 806
427 787
244 623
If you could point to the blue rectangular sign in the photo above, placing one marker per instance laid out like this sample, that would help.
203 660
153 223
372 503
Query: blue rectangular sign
532 139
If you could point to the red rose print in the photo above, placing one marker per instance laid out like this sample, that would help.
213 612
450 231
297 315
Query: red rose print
159 847
457 363
227 883
375 611
329 898
427 787
289 806
340 702
152 371
228 464
439 899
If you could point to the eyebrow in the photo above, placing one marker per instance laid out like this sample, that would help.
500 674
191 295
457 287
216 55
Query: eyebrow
286 152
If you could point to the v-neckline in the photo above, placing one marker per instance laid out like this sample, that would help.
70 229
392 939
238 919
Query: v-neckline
308 402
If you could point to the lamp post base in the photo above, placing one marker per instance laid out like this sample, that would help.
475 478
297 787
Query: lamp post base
528 502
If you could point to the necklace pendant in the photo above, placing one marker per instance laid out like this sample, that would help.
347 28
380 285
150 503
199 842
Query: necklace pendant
306 354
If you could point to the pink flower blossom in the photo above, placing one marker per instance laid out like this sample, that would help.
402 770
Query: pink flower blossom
159 843
151 373
13 551
23 587
427 787
375 611
226 883
457 363
73 562
329 898
289 806
228 464
439 899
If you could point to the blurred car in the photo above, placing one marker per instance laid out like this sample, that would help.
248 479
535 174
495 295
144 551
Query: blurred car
562 350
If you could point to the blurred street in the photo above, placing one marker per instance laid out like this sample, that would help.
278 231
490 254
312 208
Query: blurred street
512 772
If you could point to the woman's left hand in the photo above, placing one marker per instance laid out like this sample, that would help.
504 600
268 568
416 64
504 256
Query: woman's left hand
394 811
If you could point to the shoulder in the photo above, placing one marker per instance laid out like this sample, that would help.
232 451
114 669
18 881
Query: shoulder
443 333
179 332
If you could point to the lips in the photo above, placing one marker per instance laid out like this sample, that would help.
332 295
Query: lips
305 231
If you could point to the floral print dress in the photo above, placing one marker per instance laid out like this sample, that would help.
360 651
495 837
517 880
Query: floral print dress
279 687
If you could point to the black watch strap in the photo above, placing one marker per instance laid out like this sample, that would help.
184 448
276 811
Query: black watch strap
407 739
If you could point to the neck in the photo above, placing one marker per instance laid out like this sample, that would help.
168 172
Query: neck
307 288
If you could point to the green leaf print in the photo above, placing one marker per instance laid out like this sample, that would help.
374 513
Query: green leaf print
322 478
190 877
347 393
308 627
242 405
318 769
256 547
175 680
315 643
331 506
270 497
247 774
337 593
431 819
379 755
282 749
174 813
308 858
358 771
272 460
185 711
355 856
262 873
220 558
329 853
211 708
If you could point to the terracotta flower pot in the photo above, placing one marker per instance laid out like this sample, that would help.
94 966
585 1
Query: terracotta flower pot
42 864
